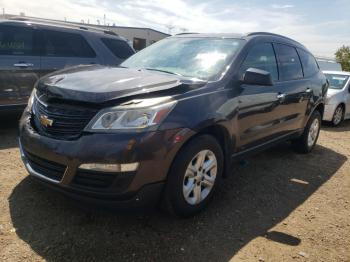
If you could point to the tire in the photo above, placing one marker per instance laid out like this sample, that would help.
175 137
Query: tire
183 180
338 115
307 141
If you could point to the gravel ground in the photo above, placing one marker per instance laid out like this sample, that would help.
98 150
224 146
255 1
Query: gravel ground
280 206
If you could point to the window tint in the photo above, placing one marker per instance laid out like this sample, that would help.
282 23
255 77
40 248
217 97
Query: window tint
118 48
262 56
309 63
62 44
16 40
289 62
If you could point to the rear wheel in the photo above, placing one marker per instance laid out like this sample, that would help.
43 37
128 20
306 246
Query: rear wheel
308 139
338 116
194 176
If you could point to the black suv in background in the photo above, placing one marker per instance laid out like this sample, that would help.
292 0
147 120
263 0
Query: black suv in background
166 124
31 49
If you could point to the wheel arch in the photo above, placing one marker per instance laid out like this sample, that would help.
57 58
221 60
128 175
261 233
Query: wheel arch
222 135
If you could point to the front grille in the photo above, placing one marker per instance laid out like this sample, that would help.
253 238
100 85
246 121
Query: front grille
45 167
102 181
93 179
68 121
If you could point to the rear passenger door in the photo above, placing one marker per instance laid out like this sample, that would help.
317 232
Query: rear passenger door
19 63
292 86
63 49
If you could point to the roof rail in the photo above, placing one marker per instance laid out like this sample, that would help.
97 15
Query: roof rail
187 33
62 23
270 34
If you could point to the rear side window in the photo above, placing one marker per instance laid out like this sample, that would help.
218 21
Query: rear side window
15 40
262 56
63 44
119 48
289 62
309 63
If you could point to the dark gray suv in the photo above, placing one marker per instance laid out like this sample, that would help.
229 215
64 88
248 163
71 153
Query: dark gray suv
165 126
29 50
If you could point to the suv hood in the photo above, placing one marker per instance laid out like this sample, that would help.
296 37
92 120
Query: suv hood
99 84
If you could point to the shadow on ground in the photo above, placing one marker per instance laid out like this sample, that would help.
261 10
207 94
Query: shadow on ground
248 205
9 129
343 127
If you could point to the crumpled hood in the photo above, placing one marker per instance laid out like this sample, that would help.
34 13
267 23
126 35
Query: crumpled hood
99 84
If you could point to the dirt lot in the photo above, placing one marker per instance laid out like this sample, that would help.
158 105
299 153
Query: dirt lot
280 206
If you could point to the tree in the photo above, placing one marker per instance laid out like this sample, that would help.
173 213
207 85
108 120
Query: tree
343 57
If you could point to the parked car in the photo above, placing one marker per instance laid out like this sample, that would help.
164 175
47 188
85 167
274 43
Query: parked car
32 49
338 97
166 124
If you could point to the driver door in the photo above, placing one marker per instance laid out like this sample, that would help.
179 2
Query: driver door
259 106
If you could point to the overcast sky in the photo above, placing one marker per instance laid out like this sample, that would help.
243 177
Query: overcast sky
322 26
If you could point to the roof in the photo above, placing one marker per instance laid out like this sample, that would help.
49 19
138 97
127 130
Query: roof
211 35
337 73
243 36
77 24
54 23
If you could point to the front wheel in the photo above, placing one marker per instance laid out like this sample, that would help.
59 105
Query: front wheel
338 116
308 139
193 177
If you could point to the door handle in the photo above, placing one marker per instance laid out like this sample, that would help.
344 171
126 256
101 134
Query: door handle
308 90
23 65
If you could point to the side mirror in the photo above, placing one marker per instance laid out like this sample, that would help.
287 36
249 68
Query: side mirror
254 76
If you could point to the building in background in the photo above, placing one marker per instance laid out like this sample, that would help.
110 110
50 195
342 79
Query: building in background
138 37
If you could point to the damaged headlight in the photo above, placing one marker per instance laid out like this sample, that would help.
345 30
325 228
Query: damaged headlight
31 100
133 115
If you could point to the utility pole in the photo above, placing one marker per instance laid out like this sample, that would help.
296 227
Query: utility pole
104 19
3 12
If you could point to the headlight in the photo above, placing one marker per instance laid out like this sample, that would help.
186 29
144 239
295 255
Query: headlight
133 115
31 100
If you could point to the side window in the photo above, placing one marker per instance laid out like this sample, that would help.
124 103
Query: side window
261 56
15 40
63 44
118 48
289 62
309 63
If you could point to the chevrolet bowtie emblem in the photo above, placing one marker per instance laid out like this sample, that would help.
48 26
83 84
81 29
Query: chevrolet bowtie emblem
45 121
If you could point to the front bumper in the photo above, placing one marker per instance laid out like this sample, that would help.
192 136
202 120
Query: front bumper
56 163
329 112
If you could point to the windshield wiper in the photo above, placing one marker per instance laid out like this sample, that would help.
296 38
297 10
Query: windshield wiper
160 70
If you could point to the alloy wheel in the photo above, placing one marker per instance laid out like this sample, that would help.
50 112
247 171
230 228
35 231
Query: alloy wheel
313 132
200 177
338 116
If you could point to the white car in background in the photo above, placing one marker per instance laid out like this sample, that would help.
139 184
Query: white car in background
338 97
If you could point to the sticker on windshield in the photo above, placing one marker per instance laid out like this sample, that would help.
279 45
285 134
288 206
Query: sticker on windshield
339 78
